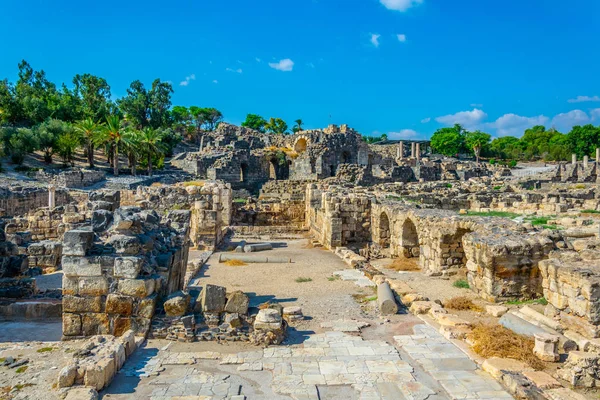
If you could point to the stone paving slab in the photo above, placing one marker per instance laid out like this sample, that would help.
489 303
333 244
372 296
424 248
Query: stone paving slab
355 276
448 365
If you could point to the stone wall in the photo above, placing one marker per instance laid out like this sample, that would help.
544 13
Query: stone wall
114 273
20 200
76 178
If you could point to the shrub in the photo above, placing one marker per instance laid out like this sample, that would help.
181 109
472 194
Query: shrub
303 280
66 145
492 161
512 163
461 284
462 303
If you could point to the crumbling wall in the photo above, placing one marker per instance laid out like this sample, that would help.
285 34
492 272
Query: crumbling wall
115 270
19 200
76 178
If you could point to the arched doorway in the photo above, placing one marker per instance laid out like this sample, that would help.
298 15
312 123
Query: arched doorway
273 167
384 231
346 158
243 172
410 240
300 145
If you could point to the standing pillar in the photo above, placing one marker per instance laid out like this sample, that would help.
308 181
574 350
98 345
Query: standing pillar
585 162
573 159
201 143
418 151
412 150
597 155
51 197
400 154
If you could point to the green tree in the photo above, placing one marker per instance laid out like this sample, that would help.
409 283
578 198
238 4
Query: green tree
66 145
94 94
47 134
476 141
212 117
505 147
277 126
89 131
136 104
159 98
256 122
113 132
17 143
151 145
298 126
583 140
130 144
36 97
449 141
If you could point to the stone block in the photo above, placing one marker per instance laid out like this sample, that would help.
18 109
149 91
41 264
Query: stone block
237 302
128 341
76 304
77 242
124 244
74 266
213 298
127 267
546 347
71 324
118 304
497 366
95 324
177 304
94 376
121 325
67 375
139 288
542 380
109 367
92 286
82 393
496 311
146 307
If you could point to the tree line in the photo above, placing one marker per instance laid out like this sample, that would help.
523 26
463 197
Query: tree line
537 143
37 115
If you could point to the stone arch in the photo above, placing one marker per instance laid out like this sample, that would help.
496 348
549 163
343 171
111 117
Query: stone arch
385 233
346 157
243 172
451 250
409 240
300 145
273 169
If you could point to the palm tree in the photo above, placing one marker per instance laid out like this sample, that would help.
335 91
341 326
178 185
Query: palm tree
298 126
90 131
131 146
113 135
151 145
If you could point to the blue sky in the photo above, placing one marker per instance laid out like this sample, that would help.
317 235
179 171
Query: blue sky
403 67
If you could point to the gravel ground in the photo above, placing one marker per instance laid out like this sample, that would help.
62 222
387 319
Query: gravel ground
321 299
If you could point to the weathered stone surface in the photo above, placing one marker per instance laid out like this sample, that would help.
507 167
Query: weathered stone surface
237 302
496 311
546 347
542 380
92 286
71 324
123 244
582 369
128 267
75 304
77 242
213 298
177 304
82 394
81 266
95 324
118 304
497 366
101 219
139 288
67 375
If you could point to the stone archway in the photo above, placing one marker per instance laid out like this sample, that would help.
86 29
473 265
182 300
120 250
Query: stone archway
410 240
346 158
243 172
273 169
451 250
301 145
384 231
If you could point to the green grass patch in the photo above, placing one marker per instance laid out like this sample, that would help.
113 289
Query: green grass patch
461 284
303 280
500 214
449 185
590 212
539 221
372 298
497 187
392 197
333 278
239 201
22 369
541 301
45 349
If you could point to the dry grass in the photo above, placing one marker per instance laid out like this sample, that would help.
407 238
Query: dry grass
193 183
235 263
156 184
497 341
462 303
404 264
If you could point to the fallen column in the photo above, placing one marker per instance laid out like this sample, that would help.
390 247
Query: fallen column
251 248
254 259
385 300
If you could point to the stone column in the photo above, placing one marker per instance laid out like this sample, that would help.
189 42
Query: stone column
201 143
51 197
546 347
597 155
412 150
573 159
585 162
400 154
418 151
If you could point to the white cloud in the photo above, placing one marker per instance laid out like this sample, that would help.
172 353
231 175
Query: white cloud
402 37
515 125
187 80
403 134
584 99
215 81
285 65
468 119
375 39
400 5
238 71
425 120
565 121
595 114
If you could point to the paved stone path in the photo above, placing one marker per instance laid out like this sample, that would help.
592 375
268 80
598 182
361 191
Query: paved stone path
317 369
355 276
448 365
